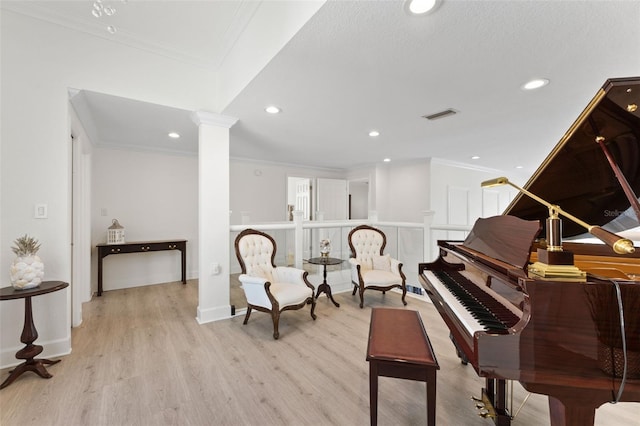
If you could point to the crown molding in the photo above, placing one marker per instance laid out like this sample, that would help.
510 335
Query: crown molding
461 165
213 119
286 165
244 13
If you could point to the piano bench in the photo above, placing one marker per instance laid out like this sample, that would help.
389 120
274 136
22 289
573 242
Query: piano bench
399 347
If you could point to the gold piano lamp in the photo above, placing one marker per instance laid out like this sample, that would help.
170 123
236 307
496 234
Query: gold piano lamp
554 233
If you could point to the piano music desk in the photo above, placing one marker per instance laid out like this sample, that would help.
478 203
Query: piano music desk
399 347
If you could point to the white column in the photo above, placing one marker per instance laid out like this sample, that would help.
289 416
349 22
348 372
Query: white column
213 215
427 243
299 238
245 217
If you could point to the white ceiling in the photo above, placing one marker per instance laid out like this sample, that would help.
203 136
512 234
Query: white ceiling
363 65
198 32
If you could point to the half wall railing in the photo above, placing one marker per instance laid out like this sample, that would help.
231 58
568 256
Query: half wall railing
298 240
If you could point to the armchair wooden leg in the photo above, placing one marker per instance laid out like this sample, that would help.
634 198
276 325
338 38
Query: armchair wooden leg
275 315
246 317
404 293
313 308
355 288
361 296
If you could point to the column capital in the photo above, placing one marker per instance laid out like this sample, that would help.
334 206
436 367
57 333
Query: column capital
213 119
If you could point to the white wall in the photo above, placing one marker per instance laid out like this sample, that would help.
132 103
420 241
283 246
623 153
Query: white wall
458 199
409 197
331 199
260 188
155 197
81 177
403 190
359 192
366 174
40 62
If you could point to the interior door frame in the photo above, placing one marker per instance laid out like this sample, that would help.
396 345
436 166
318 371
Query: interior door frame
80 218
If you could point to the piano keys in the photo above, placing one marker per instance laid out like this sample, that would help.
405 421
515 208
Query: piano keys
479 307
561 338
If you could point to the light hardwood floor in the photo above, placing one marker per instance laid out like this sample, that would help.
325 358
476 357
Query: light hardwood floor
140 358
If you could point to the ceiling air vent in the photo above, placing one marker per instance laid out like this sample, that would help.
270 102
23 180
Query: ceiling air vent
441 114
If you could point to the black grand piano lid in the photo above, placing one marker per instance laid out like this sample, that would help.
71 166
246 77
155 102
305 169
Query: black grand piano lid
577 176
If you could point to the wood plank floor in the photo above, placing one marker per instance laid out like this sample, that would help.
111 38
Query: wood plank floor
140 358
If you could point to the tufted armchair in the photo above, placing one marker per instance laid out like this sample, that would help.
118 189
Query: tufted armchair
370 269
267 287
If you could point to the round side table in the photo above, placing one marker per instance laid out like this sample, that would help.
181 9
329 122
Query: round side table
324 287
29 332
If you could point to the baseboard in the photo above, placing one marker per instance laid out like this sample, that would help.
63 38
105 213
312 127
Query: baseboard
213 314
51 349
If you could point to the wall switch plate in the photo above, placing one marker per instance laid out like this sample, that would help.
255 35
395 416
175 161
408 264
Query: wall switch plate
40 211
215 269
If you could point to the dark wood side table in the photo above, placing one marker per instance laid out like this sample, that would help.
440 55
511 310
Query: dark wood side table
324 287
29 332
105 250
399 347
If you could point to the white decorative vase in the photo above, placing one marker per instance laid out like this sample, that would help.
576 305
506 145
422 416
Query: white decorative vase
325 248
26 272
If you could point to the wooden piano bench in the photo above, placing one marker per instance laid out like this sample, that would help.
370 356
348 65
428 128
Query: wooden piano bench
399 347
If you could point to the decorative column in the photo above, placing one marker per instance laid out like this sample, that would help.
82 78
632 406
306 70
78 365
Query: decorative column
427 243
299 238
213 215
245 217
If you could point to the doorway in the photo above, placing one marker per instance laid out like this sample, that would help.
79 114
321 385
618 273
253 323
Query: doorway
80 219
358 200
299 197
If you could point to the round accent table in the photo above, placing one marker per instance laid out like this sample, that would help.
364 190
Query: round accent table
324 261
29 332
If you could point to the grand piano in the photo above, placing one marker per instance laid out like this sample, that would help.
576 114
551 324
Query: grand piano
572 331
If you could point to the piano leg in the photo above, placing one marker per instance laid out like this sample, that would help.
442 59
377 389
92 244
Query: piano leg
576 414
496 395
463 358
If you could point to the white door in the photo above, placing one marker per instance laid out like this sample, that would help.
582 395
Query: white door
303 198
332 204
332 199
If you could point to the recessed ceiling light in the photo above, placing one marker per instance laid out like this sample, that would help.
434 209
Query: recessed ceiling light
374 133
475 157
173 135
535 84
271 109
518 167
386 160
420 7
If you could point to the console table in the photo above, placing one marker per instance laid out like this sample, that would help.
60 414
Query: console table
105 250
29 332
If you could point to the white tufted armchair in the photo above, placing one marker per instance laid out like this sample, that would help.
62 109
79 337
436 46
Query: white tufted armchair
370 269
267 287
